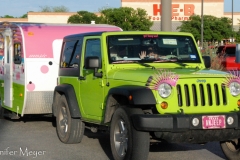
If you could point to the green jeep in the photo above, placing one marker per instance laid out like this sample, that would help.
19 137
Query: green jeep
143 86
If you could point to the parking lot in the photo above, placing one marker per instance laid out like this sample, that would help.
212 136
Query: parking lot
36 138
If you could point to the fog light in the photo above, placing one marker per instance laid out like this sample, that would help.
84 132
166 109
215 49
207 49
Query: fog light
164 105
230 120
195 122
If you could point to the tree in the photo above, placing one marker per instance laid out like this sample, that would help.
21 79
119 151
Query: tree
60 9
215 29
24 16
7 16
54 9
84 17
127 18
45 9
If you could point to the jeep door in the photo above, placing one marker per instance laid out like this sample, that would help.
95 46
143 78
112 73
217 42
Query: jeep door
91 87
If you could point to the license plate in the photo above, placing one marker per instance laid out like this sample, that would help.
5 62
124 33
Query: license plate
213 122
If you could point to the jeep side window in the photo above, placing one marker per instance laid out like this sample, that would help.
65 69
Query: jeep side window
71 54
93 48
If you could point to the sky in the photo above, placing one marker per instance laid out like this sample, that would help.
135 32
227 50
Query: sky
17 8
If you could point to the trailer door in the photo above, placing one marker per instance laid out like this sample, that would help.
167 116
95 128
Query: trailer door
8 70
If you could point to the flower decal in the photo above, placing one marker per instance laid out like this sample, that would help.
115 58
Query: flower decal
162 76
233 76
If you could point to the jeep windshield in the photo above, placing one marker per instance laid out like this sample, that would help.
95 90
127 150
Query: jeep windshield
152 48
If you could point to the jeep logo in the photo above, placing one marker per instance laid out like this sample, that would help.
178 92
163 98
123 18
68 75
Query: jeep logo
201 80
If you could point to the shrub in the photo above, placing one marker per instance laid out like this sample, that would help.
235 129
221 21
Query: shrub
216 60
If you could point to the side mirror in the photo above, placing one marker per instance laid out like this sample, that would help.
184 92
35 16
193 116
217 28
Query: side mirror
93 62
207 61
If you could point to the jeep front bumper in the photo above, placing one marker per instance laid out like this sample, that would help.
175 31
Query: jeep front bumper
179 127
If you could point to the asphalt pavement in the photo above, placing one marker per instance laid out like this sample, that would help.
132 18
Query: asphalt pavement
36 138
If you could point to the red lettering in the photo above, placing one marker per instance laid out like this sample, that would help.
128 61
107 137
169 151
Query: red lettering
157 9
188 9
174 10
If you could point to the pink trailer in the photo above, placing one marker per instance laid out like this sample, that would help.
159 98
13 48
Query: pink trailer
29 59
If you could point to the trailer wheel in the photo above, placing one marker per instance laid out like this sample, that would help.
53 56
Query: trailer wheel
69 130
126 142
231 149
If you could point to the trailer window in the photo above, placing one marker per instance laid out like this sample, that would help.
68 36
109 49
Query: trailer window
17 53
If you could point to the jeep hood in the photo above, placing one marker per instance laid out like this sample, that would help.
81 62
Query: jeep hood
141 75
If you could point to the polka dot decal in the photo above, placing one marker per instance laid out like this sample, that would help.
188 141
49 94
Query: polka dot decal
44 69
31 86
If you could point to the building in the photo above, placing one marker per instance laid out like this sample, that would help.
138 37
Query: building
182 10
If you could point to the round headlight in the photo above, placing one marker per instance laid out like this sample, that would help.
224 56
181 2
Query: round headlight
234 88
164 90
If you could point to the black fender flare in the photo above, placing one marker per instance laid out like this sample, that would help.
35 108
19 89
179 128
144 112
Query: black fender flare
139 96
70 95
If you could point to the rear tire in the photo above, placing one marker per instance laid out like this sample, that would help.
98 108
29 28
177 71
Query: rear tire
69 130
126 142
231 149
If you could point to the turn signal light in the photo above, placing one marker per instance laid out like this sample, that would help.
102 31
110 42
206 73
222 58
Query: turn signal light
238 103
130 97
164 105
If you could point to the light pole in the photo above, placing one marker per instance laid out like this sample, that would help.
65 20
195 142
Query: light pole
202 24
166 18
232 21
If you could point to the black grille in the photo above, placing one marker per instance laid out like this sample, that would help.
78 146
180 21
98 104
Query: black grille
201 94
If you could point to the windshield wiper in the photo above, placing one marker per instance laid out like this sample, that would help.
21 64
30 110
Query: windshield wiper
163 61
144 64
181 64
119 62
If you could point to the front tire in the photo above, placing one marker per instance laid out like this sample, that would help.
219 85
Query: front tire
231 149
126 142
69 130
